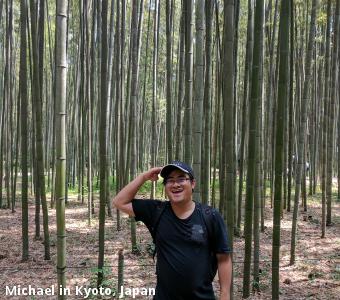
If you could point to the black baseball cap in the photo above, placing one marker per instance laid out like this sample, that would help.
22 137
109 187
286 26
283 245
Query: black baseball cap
177 165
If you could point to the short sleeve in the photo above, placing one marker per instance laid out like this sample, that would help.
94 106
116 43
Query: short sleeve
144 210
221 240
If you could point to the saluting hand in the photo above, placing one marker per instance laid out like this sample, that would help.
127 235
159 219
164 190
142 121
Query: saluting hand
152 174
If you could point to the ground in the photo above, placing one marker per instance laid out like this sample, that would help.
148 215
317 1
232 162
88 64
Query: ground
315 275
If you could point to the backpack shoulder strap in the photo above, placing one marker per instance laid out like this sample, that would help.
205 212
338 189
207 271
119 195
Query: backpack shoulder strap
160 208
161 205
208 216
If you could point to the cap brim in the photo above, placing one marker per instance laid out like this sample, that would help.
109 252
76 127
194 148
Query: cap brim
167 169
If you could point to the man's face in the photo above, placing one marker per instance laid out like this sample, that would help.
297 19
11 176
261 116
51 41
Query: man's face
178 186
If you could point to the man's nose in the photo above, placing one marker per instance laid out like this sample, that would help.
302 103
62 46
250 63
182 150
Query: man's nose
176 183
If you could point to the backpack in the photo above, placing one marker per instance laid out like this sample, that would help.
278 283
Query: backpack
207 212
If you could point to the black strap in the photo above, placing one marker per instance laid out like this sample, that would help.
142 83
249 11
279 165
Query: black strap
159 211
208 213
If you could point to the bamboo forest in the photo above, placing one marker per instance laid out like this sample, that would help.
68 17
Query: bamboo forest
94 93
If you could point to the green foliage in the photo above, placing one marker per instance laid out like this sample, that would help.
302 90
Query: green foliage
336 273
137 250
150 248
314 275
146 189
108 281
256 285
322 18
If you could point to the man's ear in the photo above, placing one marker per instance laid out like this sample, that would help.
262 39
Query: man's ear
193 183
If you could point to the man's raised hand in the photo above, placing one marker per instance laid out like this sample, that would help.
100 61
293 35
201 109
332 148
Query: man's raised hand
152 174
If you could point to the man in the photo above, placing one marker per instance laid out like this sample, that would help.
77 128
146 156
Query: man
184 244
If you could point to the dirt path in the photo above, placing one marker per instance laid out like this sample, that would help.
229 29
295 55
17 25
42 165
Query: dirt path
316 274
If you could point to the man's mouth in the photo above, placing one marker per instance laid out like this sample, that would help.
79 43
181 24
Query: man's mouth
177 192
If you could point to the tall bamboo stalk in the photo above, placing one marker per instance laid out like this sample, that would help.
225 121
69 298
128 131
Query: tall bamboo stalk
60 187
24 125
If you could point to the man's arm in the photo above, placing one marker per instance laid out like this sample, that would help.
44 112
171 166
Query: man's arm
224 274
123 199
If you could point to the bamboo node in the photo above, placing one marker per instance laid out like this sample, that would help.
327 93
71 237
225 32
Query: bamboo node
61 15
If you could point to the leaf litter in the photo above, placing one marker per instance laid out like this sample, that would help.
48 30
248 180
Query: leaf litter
315 275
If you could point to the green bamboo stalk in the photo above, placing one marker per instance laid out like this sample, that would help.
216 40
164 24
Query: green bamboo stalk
60 187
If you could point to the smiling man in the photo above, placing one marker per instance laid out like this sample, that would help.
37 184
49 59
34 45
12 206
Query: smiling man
190 238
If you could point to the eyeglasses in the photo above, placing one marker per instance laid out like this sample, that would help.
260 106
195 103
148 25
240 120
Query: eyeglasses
180 181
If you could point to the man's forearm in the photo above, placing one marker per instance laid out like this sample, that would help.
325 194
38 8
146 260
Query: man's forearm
127 193
224 274
123 199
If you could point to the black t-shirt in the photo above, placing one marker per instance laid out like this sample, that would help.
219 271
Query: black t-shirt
184 266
